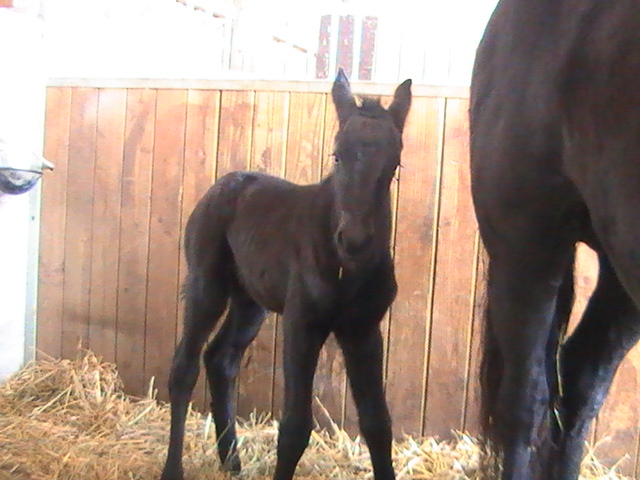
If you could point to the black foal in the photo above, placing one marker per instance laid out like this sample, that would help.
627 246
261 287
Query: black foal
317 254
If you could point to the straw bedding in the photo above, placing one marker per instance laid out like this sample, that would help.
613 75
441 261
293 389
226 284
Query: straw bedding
69 419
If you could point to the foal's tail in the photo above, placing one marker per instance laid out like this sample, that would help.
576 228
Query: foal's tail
492 369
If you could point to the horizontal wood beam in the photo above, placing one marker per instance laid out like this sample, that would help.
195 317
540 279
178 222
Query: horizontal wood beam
321 86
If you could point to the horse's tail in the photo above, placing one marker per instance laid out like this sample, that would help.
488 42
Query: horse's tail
492 366
491 370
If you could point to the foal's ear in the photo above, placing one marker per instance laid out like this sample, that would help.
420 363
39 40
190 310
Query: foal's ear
399 108
342 97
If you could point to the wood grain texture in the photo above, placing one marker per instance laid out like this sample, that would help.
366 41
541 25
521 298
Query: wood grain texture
164 236
616 432
454 282
52 223
414 253
79 219
617 429
234 141
105 245
472 395
366 88
305 137
137 166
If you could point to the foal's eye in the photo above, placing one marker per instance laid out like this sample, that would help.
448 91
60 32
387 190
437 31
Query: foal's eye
336 159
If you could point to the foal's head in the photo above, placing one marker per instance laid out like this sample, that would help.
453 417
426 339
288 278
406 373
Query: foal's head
367 153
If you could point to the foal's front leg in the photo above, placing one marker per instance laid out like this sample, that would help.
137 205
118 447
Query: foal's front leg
302 345
362 352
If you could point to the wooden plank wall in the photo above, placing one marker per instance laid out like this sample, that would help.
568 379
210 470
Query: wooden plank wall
132 162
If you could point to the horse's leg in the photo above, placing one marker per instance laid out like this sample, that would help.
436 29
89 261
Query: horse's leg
521 307
222 361
302 344
564 306
609 328
363 357
205 302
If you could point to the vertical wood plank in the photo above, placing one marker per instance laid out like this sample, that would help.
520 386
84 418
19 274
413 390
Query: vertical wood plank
201 145
585 273
103 293
305 137
134 237
78 228
617 429
414 257
234 142
269 135
472 396
328 145
615 433
585 279
164 236
454 281
53 217
269 132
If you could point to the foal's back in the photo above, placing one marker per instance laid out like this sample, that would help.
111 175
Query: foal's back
265 229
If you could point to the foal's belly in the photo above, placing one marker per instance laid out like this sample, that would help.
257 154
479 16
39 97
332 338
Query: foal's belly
265 282
261 264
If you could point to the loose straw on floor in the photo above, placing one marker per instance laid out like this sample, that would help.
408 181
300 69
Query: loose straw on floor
70 420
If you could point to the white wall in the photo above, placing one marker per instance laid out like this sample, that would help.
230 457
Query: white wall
22 101
432 41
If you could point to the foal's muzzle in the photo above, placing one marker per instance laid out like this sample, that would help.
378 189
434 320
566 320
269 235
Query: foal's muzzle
354 241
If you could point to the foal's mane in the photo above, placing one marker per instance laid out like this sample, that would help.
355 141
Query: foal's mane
371 107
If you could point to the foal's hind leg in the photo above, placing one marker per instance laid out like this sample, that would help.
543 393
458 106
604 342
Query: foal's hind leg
222 361
609 328
203 307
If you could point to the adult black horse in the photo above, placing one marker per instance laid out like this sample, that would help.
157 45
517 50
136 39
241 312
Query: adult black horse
555 159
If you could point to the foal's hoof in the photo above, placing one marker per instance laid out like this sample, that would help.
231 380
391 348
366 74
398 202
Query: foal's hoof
172 474
232 465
